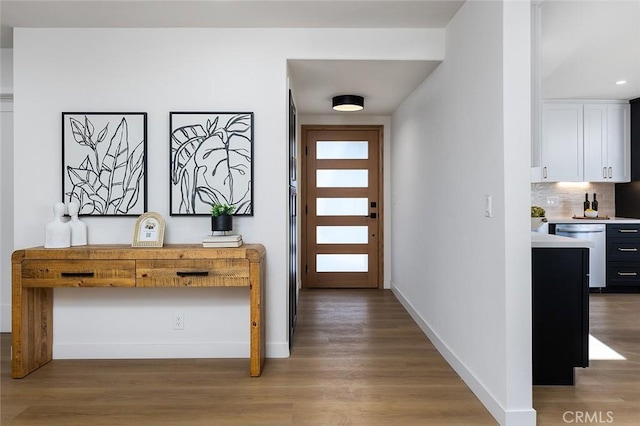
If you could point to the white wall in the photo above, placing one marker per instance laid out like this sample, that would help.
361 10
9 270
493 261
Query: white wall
6 188
162 70
462 134
6 71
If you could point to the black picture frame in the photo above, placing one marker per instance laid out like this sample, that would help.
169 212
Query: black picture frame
104 162
210 161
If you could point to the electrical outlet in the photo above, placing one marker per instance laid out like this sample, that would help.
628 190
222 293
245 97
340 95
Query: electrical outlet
553 201
178 321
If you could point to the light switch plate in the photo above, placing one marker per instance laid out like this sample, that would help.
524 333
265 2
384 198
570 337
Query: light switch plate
553 201
487 205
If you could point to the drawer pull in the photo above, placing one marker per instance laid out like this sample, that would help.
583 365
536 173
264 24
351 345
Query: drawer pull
77 274
628 274
628 231
627 249
192 273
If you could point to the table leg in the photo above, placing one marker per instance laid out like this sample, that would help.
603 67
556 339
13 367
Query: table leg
257 355
32 326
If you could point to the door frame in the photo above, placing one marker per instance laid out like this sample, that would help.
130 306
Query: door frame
304 192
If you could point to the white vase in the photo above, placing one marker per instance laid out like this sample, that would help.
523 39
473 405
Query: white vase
78 228
537 222
57 232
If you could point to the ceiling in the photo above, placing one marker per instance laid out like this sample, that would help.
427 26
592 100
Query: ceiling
383 84
586 45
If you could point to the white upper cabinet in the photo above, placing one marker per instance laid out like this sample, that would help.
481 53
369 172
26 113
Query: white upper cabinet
588 141
619 142
606 143
562 142
595 143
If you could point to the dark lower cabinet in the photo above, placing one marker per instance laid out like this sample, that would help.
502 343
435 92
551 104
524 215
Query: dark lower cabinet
560 314
623 256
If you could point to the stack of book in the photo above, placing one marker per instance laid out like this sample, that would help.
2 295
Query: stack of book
222 241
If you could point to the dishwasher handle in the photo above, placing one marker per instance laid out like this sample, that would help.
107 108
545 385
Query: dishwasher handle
571 230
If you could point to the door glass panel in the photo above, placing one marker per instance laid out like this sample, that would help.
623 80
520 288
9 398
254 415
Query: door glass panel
342 263
342 207
339 150
329 178
342 234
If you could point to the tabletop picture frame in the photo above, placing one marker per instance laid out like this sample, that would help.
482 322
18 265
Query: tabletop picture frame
149 230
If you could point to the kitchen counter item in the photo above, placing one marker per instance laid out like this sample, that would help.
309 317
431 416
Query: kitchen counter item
591 218
537 222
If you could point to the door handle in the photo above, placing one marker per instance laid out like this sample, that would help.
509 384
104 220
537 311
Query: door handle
627 249
604 172
610 173
544 172
631 231
627 274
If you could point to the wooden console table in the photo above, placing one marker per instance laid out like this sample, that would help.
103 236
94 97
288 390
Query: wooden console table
37 271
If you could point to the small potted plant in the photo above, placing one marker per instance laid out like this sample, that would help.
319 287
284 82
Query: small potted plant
537 217
221 217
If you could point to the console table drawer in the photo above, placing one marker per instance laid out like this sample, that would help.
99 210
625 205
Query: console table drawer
78 273
193 273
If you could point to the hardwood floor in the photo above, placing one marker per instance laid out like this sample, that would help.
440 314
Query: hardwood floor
357 358
607 391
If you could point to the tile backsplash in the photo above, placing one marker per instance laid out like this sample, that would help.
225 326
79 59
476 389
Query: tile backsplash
571 196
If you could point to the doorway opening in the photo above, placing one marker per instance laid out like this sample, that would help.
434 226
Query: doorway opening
342 207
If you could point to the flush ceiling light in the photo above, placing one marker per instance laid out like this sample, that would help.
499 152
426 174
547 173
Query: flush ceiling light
348 103
619 82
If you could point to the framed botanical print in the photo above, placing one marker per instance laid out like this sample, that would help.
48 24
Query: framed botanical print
210 162
104 162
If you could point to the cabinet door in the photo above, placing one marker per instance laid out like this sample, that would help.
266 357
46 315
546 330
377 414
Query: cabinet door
618 143
560 314
595 143
562 142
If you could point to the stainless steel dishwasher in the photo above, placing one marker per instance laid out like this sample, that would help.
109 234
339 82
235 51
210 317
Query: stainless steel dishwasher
597 234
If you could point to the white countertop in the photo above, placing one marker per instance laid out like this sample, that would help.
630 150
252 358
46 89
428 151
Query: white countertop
613 220
540 240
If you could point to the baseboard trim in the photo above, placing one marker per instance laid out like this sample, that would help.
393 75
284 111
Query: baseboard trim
502 416
162 350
